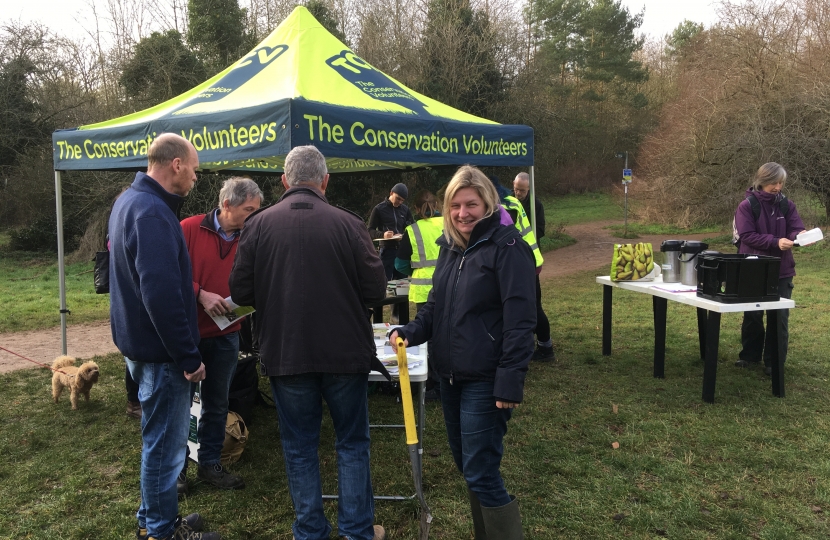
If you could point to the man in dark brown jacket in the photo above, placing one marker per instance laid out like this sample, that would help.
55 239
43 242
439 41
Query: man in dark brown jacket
309 268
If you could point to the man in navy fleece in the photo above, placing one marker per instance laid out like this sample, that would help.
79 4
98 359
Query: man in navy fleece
153 320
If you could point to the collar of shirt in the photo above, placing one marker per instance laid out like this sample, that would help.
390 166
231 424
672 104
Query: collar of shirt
219 229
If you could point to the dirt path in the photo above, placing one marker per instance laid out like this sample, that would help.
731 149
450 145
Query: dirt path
82 341
591 252
593 249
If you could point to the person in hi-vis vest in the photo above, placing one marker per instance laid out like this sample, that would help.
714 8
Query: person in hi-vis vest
417 255
544 343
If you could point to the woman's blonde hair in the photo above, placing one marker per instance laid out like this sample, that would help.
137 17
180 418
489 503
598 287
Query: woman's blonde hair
769 173
468 177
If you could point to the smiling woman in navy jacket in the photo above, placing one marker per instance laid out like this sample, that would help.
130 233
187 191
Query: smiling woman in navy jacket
480 317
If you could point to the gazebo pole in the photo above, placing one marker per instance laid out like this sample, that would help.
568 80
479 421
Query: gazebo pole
533 205
61 265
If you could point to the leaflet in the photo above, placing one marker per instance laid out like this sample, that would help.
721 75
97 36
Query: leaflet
237 313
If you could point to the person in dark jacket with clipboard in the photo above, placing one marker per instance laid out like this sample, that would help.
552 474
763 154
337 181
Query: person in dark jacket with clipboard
480 316
388 221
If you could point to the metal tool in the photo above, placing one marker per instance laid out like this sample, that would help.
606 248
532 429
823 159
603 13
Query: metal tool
415 451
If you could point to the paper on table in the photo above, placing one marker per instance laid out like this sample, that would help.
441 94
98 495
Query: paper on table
391 364
676 288
224 321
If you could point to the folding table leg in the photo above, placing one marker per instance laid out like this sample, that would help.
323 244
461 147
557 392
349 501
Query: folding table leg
701 331
710 362
606 320
777 344
660 306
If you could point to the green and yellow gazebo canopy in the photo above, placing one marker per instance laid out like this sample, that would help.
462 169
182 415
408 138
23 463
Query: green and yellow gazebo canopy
300 86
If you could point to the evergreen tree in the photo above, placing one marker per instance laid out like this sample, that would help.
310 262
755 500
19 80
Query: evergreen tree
161 68
326 18
216 31
20 124
681 37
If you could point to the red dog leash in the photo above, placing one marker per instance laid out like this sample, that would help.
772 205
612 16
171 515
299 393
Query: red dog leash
32 361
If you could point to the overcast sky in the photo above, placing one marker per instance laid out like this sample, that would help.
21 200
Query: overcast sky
661 16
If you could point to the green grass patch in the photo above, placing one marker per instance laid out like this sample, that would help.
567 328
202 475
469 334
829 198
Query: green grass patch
574 209
748 466
555 240
555 237
644 229
581 208
29 288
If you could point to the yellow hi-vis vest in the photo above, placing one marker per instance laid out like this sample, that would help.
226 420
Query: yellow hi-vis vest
422 236
524 227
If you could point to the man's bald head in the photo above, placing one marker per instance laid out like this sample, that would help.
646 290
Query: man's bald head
167 147
172 162
521 185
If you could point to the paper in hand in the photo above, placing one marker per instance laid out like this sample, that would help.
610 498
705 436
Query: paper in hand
237 313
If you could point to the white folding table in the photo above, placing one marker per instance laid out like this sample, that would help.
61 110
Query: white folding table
708 325
417 375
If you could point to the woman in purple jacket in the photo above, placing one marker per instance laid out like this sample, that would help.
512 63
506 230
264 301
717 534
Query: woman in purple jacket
772 233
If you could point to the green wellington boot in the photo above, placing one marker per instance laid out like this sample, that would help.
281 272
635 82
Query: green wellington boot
478 520
503 522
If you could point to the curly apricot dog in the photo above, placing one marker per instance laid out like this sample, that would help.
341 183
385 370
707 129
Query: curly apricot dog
79 380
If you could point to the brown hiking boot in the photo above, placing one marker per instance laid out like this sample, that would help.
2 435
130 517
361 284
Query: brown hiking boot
134 409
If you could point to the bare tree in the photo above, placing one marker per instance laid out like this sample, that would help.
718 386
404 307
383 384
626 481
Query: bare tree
754 89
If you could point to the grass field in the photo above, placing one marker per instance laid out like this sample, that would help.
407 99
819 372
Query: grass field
581 208
748 466
571 210
652 228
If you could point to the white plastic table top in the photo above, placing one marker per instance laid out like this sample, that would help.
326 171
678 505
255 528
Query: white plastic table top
417 374
691 298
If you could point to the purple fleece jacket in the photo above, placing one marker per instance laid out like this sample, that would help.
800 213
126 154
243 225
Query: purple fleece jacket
761 237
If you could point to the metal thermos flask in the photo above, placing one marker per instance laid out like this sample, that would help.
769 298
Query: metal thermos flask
670 264
689 252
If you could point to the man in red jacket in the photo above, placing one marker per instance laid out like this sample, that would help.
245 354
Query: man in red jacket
211 241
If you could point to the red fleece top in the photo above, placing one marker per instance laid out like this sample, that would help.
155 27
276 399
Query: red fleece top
211 257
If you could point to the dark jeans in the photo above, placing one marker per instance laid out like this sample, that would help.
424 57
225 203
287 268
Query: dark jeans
131 385
755 340
387 257
220 355
542 330
299 402
476 429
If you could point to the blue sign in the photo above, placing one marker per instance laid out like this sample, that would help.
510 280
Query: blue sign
626 176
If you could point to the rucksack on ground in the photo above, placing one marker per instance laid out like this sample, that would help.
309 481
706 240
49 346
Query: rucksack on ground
783 205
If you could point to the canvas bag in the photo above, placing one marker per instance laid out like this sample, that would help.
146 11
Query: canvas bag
236 436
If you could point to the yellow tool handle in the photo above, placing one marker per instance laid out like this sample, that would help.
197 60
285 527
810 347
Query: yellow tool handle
406 395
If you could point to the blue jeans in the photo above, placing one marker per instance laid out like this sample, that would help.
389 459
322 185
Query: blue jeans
220 355
476 429
165 421
755 340
299 401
